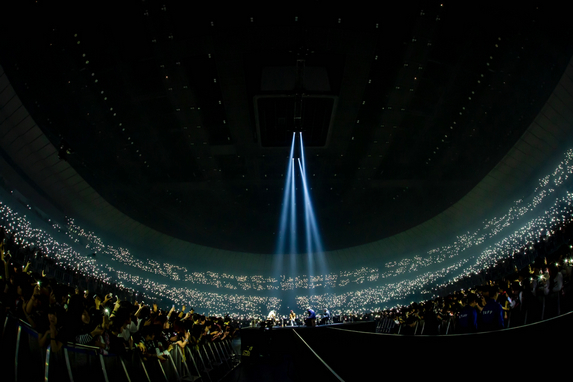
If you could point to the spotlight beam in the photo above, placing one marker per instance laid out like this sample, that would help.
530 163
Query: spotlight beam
287 199
314 242
310 219
292 217
292 209
307 209
302 156
311 216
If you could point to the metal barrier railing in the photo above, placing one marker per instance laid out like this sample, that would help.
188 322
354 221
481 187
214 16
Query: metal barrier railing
542 308
80 362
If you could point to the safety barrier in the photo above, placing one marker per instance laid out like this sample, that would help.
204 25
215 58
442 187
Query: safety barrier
26 360
540 308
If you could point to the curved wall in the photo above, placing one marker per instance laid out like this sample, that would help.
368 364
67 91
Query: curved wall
30 163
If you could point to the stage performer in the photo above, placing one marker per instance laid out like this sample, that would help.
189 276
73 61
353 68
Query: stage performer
311 318
292 318
326 317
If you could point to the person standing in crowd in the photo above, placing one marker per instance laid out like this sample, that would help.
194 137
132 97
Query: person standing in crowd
467 318
431 319
552 288
520 301
492 313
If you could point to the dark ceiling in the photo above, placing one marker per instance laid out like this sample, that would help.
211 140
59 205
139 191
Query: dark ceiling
182 119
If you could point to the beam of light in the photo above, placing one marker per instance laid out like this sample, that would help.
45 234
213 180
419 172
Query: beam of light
293 242
292 216
314 246
309 210
286 231
303 168
278 261
287 200
309 252
309 214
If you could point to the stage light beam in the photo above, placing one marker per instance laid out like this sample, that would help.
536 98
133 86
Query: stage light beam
288 198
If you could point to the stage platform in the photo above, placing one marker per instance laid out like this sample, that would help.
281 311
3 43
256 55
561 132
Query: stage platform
279 355
259 342
355 352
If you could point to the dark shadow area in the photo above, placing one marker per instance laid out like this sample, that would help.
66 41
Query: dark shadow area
356 353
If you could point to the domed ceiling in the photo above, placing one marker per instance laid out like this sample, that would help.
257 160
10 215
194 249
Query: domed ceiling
182 119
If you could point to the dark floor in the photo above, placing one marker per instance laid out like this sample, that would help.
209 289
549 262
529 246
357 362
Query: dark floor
279 354
276 367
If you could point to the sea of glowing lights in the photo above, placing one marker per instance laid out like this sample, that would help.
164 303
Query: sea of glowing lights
415 277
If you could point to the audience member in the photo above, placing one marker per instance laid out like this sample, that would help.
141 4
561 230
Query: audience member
468 316
492 313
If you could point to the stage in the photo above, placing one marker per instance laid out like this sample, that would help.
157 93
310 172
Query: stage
257 342
355 352
278 354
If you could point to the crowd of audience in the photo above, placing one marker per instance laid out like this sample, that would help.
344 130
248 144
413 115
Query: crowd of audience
539 290
530 285
63 315
112 319
68 308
